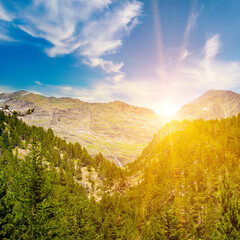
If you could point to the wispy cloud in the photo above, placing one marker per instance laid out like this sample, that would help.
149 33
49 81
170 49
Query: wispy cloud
192 21
5 38
105 35
190 26
4 35
212 47
91 29
38 83
4 15
200 72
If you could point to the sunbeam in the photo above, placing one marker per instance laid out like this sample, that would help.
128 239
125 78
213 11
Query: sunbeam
158 33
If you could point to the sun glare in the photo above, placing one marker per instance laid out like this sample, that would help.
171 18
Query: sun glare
167 109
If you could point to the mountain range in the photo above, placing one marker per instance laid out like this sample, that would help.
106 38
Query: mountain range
119 130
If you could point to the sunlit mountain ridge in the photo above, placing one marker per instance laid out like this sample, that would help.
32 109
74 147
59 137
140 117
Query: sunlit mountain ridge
214 104
119 130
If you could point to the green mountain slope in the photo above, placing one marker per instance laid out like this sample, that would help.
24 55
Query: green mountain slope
46 183
118 130
185 185
188 184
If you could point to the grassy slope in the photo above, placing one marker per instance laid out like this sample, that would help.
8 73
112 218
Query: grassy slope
115 129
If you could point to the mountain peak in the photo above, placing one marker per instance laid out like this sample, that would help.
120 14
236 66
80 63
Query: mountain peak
214 104
216 92
4 96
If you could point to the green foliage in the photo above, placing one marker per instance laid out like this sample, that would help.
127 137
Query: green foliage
6 207
181 170
229 225
187 185
39 196
17 113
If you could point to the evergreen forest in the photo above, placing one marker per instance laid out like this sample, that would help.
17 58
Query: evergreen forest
185 185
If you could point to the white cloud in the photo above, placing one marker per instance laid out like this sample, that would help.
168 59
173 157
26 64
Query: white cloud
108 66
192 21
199 73
4 15
185 53
191 24
91 29
38 83
104 36
5 38
212 47
118 77
66 89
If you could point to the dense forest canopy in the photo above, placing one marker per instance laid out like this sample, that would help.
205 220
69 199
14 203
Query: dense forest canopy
185 185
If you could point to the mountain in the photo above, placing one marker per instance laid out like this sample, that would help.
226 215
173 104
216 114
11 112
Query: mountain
119 130
214 104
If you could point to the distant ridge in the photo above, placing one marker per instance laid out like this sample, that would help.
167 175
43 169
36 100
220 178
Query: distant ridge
214 104
119 130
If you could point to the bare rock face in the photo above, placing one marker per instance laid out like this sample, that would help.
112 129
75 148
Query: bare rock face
214 104
119 130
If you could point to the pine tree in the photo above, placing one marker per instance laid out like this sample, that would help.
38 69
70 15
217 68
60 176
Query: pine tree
6 207
33 191
229 225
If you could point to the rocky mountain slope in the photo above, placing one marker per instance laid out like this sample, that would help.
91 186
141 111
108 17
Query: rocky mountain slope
118 130
214 104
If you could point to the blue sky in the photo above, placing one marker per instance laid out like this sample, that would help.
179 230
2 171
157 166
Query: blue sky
158 54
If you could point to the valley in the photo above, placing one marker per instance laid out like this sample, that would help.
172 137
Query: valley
118 130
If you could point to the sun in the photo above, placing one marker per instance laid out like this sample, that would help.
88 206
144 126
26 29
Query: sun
167 109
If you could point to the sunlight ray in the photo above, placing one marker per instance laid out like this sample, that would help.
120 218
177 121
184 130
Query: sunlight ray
158 33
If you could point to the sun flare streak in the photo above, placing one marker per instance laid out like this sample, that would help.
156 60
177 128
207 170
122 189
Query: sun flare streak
158 32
